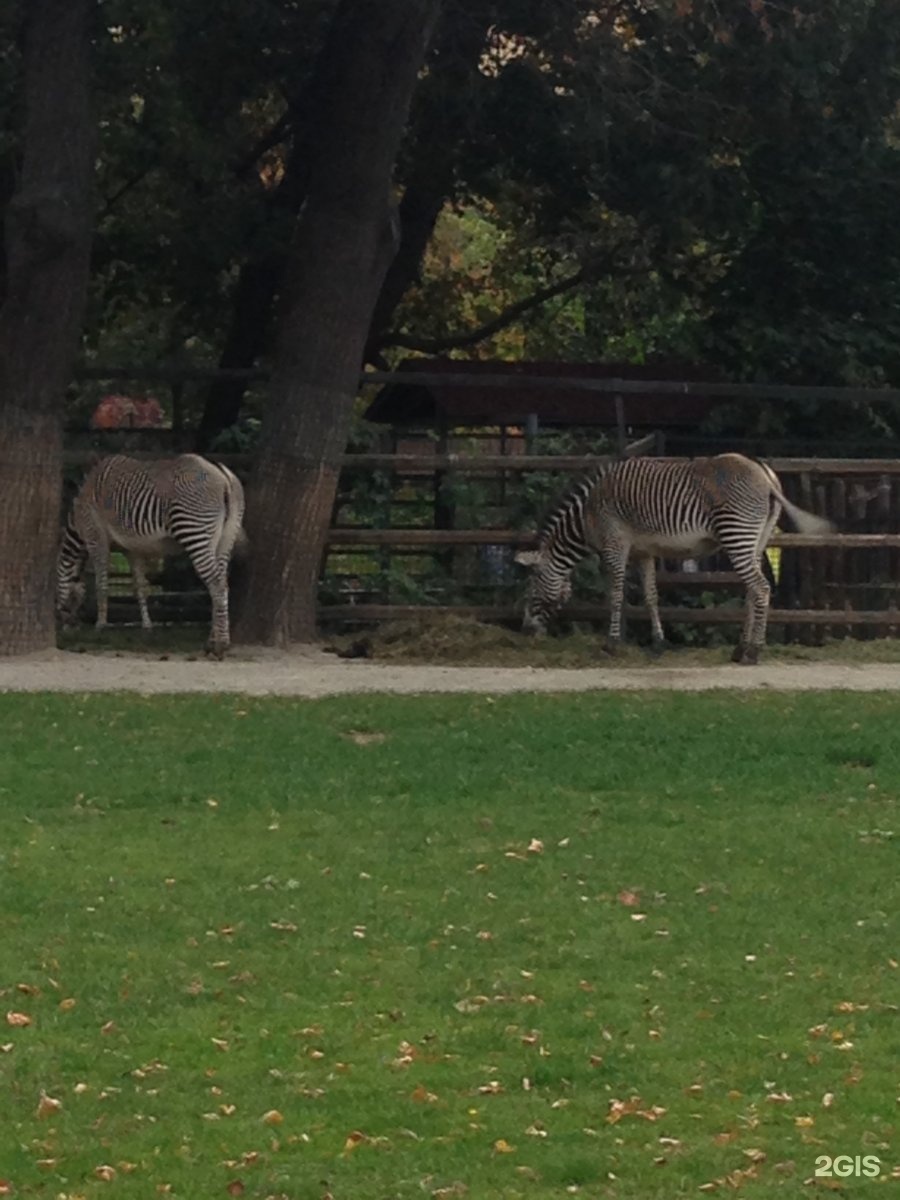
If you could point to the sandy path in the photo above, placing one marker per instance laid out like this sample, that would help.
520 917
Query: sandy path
310 672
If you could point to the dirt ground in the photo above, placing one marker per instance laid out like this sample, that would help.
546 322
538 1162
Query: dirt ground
310 672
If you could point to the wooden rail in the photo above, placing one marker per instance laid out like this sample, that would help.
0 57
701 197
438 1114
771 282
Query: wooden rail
509 382
527 538
591 612
479 463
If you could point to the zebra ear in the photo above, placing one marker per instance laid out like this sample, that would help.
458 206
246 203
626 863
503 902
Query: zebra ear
528 558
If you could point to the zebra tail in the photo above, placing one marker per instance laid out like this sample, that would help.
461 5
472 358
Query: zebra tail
232 539
806 522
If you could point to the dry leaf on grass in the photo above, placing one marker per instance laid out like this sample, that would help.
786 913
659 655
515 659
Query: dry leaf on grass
354 1139
48 1107
18 1019
361 737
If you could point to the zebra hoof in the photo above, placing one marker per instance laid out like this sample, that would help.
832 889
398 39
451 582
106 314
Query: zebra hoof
748 656
216 650
613 647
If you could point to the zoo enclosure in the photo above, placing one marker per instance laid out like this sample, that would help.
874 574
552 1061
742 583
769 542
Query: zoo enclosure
842 583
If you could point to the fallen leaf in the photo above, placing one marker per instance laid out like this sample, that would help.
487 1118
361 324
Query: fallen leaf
361 738
354 1139
48 1107
470 1004
272 1117
629 899
67 1004
235 1188
622 1108
502 1146
804 1122
535 846
105 1172
421 1095
828 1100
283 926
18 1019
493 1088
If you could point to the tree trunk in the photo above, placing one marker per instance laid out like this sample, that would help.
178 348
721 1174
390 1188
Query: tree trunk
343 243
244 343
48 235
448 95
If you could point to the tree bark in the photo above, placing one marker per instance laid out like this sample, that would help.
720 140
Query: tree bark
48 236
448 97
343 243
245 341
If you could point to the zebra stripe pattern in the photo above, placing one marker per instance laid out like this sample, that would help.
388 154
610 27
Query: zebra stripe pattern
648 508
150 508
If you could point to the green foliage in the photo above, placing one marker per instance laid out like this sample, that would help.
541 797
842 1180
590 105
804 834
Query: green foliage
231 970
726 177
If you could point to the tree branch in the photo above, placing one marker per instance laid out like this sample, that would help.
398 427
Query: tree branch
453 341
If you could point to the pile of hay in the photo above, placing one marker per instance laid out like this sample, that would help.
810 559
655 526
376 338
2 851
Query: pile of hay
465 642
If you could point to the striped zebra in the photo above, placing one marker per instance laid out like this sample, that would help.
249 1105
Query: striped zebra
147 508
650 508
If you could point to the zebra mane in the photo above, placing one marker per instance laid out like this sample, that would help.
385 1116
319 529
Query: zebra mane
571 505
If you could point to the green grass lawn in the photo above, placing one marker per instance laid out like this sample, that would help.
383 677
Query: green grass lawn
598 945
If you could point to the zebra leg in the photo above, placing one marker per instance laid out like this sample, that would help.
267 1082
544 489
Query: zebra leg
99 555
215 579
615 559
651 599
141 587
200 538
753 636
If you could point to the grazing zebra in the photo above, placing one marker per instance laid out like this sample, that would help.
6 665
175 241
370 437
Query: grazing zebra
653 508
147 508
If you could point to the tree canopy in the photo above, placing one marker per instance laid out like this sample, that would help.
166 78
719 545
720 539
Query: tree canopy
716 182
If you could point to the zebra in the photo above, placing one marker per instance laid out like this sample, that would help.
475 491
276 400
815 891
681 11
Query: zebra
146 508
651 508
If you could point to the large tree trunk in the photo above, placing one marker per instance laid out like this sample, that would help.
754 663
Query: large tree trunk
343 243
48 235
244 343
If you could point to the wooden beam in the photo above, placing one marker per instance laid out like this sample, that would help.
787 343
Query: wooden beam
516 382
584 612
528 538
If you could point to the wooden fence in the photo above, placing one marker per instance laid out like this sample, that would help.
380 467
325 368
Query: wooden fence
843 583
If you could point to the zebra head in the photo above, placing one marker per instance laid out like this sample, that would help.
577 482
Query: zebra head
70 585
549 588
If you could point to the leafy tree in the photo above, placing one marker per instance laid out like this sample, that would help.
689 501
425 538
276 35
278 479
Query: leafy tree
343 243
48 237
